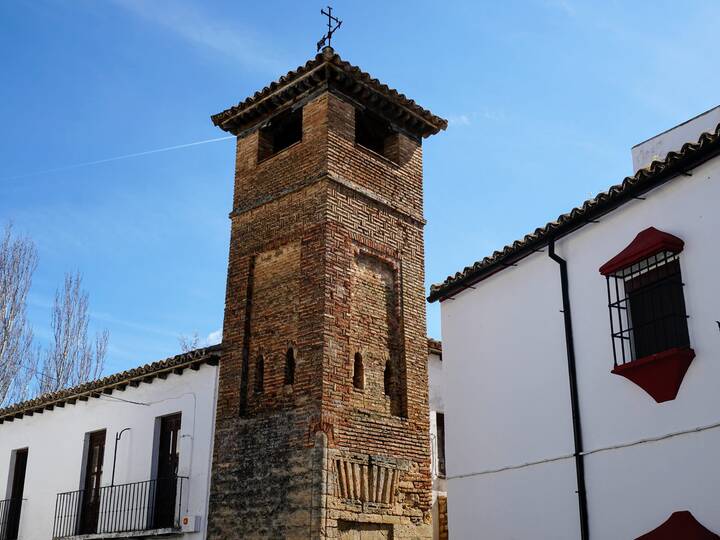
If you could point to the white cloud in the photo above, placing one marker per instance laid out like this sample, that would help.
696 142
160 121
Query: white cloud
485 113
196 26
214 338
459 120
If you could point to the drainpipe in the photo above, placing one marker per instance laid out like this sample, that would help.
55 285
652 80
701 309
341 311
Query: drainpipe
572 376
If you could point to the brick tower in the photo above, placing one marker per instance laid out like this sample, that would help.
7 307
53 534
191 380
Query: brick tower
322 412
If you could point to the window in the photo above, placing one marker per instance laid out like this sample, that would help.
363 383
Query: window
168 462
290 366
90 502
387 379
260 374
648 320
440 426
281 131
645 297
358 372
10 509
376 134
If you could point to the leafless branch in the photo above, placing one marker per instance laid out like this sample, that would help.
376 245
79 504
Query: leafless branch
189 343
71 358
18 260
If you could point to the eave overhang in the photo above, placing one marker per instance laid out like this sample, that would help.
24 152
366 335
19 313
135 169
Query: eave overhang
118 382
328 72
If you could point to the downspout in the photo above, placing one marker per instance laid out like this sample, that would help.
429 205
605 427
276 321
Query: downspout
572 376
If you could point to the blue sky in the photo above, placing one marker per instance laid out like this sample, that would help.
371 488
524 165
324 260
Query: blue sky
544 97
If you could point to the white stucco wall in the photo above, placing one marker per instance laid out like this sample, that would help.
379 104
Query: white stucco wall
436 382
657 147
507 398
55 441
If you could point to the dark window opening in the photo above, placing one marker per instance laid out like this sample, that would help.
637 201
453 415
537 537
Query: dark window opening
290 366
376 134
260 375
10 509
358 372
281 131
168 461
388 379
647 308
440 425
90 502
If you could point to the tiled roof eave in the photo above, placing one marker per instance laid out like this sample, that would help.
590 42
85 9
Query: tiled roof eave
329 69
676 163
434 346
107 385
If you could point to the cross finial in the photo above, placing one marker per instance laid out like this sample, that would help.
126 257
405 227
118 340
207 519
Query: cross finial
327 38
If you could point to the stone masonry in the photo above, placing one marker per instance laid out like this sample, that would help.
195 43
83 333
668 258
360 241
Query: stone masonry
322 413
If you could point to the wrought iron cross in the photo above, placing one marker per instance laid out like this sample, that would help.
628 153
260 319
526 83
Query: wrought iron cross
327 38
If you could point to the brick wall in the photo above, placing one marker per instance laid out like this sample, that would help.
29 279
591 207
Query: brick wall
326 258
442 518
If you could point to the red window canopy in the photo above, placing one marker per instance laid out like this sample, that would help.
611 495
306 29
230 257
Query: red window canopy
680 525
661 374
647 243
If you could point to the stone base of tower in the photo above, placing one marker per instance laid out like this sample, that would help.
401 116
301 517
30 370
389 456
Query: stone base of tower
265 488
271 491
369 497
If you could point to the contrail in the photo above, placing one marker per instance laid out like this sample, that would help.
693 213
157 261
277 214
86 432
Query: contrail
117 158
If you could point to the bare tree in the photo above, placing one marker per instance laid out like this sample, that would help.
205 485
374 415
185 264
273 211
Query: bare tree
18 260
189 343
71 358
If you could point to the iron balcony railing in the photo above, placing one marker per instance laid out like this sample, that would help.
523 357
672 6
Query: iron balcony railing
10 518
138 506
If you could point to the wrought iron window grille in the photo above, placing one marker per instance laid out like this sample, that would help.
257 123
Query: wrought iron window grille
647 308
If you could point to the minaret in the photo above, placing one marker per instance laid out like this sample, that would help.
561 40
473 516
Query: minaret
322 411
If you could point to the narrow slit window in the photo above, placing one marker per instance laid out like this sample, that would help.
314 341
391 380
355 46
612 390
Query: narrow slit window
440 424
358 372
260 375
387 378
280 132
290 366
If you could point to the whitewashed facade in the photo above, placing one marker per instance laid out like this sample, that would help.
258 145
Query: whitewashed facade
510 445
56 441
436 380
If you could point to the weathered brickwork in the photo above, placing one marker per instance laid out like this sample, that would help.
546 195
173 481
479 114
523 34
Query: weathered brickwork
374 304
326 261
442 518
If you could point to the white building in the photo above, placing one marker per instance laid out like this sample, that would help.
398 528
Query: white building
64 476
436 380
582 363
59 455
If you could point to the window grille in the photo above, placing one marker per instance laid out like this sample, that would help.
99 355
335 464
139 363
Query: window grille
647 308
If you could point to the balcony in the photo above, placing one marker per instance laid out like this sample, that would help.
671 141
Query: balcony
151 507
10 518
